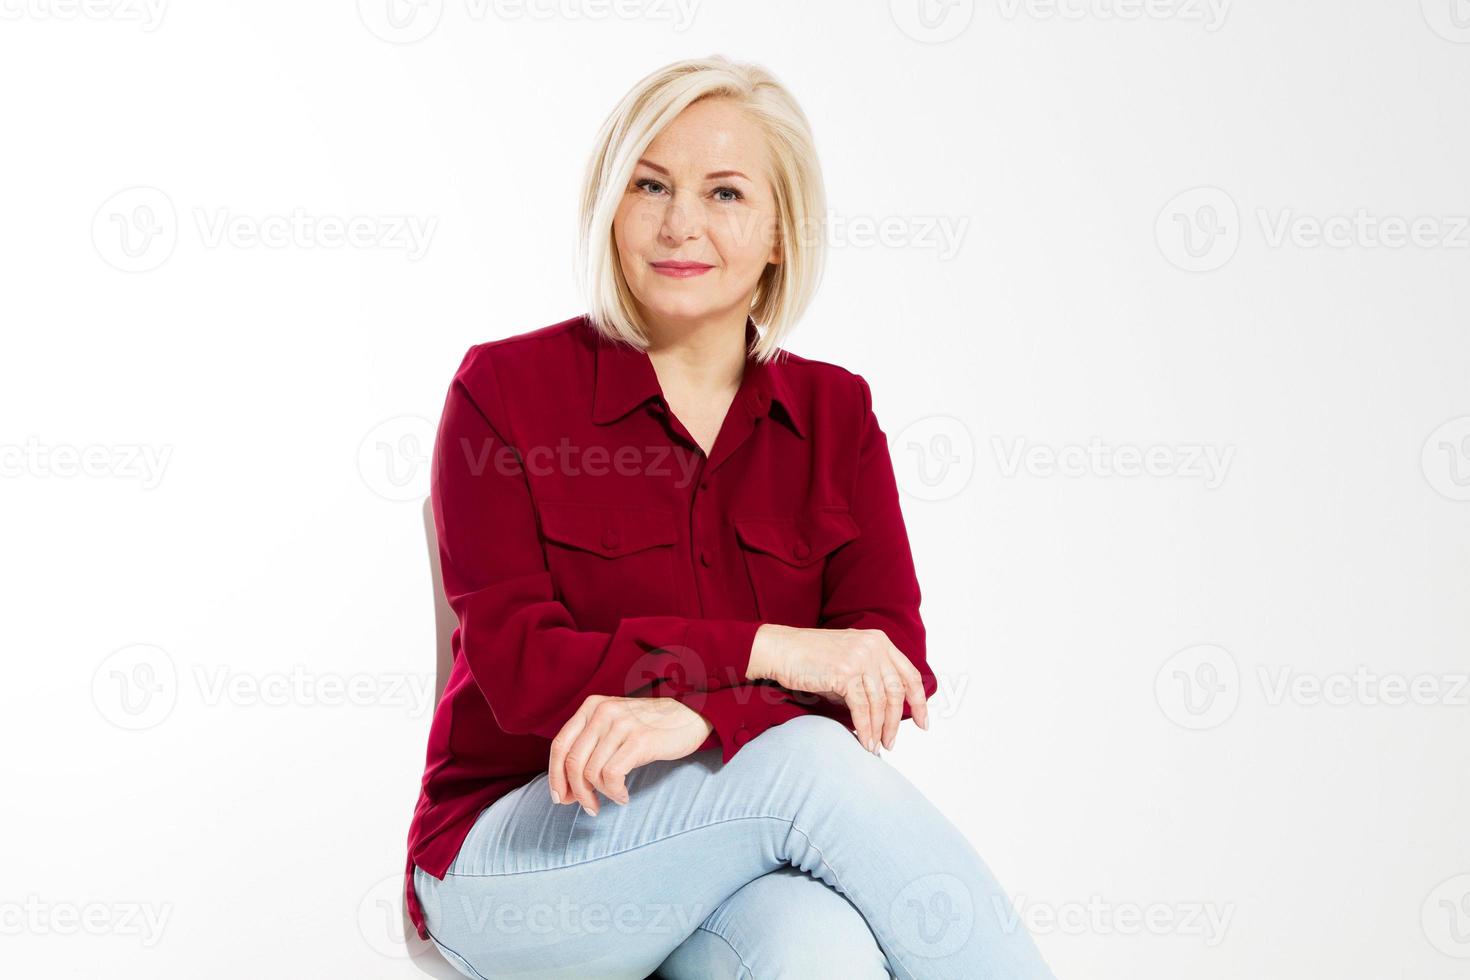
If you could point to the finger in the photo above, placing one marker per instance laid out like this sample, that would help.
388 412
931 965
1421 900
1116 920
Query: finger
628 757
556 774
873 686
913 683
576 765
597 769
893 694
858 707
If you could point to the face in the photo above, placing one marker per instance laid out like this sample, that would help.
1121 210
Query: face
697 223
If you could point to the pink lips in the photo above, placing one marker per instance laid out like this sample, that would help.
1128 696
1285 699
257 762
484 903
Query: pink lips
681 270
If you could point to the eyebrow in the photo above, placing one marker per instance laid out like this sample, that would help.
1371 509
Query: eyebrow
710 176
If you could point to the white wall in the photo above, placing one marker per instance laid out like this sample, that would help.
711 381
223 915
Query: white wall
1084 219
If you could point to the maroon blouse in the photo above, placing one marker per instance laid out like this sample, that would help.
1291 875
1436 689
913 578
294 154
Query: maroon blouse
588 546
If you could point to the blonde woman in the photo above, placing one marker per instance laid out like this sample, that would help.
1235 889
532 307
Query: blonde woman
688 612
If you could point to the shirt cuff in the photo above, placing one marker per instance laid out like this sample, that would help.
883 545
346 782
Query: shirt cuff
723 646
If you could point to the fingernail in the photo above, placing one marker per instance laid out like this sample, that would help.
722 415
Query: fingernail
555 797
588 810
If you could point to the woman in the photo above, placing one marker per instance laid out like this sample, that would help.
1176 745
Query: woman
684 585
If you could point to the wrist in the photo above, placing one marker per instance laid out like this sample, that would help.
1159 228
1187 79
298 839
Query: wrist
765 652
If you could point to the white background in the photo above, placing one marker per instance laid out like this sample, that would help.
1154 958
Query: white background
1097 239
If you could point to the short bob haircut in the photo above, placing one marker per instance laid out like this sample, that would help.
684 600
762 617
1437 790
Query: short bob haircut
786 289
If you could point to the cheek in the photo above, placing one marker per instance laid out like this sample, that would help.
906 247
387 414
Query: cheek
744 240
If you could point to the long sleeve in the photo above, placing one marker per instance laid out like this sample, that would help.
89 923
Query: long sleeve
870 583
523 648
739 713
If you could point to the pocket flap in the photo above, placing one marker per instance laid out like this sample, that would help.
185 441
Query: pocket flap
610 530
799 540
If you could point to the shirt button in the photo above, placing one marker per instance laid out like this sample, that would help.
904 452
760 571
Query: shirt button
609 539
801 549
704 484
704 558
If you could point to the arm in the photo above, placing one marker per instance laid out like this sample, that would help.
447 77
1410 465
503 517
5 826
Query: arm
870 582
522 646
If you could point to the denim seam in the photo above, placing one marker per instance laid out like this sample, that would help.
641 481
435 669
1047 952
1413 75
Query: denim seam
635 847
477 973
748 971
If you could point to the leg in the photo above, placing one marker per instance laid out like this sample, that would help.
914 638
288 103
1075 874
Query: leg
785 924
546 891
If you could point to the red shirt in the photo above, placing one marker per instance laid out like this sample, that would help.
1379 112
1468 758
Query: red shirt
588 546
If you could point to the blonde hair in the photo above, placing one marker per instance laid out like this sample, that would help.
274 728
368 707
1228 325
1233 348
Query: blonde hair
785 289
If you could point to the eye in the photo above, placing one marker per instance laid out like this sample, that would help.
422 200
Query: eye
646 182
738 196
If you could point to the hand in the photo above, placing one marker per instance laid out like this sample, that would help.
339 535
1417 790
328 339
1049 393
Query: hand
859 668
609 737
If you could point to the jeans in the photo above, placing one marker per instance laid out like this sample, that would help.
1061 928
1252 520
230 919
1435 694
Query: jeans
804 856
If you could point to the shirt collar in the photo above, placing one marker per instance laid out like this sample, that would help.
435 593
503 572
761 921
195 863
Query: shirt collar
626 379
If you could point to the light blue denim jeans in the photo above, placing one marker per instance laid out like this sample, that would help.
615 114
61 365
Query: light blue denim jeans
804 856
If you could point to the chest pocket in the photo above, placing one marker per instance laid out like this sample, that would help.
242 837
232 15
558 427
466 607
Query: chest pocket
608 561
785 558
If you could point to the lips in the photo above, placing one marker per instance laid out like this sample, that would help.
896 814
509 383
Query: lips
681 270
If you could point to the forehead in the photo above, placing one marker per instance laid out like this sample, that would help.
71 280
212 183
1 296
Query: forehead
710 135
